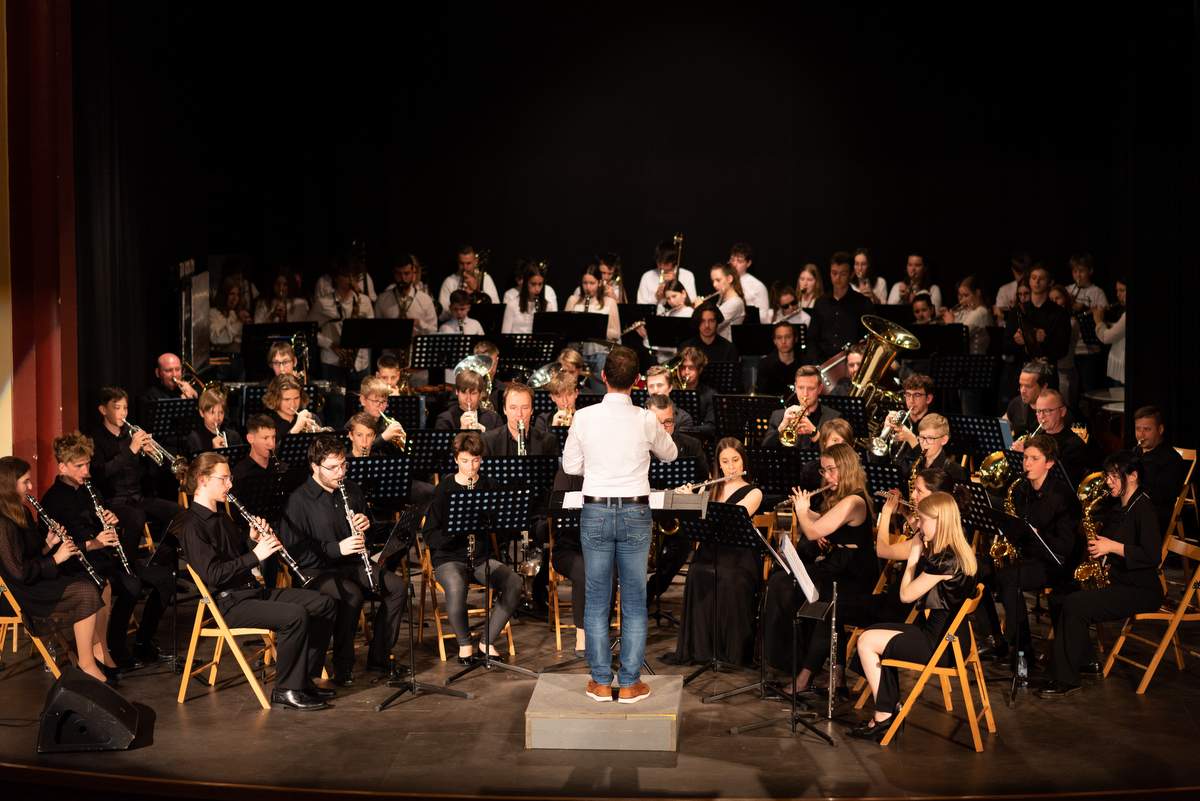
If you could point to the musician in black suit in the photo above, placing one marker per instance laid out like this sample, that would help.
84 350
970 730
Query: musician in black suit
518 413
1163 469
807 415
468 386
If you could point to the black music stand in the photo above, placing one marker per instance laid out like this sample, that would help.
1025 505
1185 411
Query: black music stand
170 419
882 477
739 415
233 453
408 410
753 339
294 448
441 350
666 476
376 334
938 340
409 523
978 512
777 470
724 525
630 313
542 402
853 409
724 377
257 339
386 481
429 451
529 350
665 333
485 512
572 326
963 371
899 313
490 317
585 399
977 436
686 399
560 433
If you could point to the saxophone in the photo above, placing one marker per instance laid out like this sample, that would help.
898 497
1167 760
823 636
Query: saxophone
1003 552
1092 574
918 463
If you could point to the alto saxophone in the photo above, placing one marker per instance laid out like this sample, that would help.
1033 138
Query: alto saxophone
1003 552
1092 574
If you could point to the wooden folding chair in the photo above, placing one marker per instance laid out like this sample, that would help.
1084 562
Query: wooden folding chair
958 671
1188 493
224 636
14 620
1186 610
429 582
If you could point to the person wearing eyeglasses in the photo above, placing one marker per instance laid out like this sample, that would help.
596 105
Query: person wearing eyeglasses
1051 412
315 530
933 432
785 306
918 397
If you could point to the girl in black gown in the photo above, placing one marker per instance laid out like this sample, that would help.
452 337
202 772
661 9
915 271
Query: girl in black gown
29 565
840 547
939 574
723 582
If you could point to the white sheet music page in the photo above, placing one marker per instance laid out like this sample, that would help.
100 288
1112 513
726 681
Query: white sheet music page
797 567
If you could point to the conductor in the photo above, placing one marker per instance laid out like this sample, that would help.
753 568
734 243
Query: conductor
610 445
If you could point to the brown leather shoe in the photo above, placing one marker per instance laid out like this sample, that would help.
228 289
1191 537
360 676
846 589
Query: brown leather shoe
633 693
599 692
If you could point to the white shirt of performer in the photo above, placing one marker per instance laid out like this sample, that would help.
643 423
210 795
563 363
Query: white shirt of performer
610 445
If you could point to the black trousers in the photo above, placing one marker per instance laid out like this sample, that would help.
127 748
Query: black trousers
303 623
1073 612
912 644
135 512
670 557
347 586
1011 583
153 580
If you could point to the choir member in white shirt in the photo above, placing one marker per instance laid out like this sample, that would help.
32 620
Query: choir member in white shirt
918 281
281 307
809 285
345 302
226 319
1006 296
468 264
406 299
754 291
652 287
531 298
729 299
864 279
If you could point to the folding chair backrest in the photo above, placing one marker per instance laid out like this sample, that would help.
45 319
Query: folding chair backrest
1189 456
968 608
1184 549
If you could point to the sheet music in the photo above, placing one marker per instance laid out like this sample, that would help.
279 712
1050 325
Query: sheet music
797 567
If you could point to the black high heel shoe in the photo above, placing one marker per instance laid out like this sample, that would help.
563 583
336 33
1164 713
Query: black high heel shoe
874 729
112 675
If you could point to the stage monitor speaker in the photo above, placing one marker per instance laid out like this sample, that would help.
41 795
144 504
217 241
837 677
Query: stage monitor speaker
84 714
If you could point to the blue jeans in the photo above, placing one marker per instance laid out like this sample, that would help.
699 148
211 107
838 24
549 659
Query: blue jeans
620 534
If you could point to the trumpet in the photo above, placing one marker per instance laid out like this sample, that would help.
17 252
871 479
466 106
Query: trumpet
119 548
311 426
264 531
160 455
58 529
563 417
366 558
882 444
389 421
789 436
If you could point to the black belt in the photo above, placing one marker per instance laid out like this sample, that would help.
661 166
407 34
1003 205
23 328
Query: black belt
617 501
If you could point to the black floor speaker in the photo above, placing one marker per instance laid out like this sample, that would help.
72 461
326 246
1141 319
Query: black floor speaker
84 714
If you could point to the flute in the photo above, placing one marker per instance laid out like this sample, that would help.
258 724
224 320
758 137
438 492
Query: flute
58 529
262 532
350 522
119 548
709 483
786 501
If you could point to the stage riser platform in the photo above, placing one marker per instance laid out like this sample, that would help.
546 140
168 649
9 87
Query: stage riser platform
561 716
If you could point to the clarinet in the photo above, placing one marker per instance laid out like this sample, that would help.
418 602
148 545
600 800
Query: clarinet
471 537
119 548
522 450
366 559
262 532
62 532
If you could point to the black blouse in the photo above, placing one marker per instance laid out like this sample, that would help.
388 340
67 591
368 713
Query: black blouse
49 599
944 598
443 546
1136 527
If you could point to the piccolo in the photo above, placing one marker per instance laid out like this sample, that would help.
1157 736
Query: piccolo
58 529
264 531
119 548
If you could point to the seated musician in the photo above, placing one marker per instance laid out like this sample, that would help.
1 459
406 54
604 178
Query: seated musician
1131 546
168 385
212 431
530 299
316 531
1049 505
854 358
373 395
281 358
461 558
470 279
652 287
806 416
708 340
287 403
360 430
923 310
31 566
830 433
494 401
841 550
69 502
723 582
691 369
460 320
564 390
673 552
406 299
119 472
281 307
1033 378
572 363
260 436
918 398
464 413
1163 469
387 369
939 575
658 382
776 370
1051 411
676 301
223 558
785 306
730 298
344 303
934 433
518 415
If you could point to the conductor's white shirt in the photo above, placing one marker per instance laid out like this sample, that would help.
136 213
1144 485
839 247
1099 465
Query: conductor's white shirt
610 445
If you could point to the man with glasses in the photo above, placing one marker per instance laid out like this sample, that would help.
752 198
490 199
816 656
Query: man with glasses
918 397
329 550
1051 413
373 396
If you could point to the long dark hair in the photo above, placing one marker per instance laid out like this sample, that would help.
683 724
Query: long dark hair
539 303
736 445
11 469
593 270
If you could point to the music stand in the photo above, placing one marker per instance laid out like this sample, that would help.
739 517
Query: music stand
376 334
686 399
667 332
740 414
484 512
294 448
854 410
233 453
584 400
963 371
724 525
386 481
490 317
441 350
429 451
572 326
407 410
668 475
257 339
978 512
630 313
938 340
753 339
1087 328
882 477
170 419
724 377
777 470
978 436
899 313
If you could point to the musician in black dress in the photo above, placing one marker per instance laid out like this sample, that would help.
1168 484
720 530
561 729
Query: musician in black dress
839 548
1131 547
938 575
30 565
723 582
461 558
316 531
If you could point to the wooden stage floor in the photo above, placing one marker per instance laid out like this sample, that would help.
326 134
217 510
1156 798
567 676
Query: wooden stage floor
221 745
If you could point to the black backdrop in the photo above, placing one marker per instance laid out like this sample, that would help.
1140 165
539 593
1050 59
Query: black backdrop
218 128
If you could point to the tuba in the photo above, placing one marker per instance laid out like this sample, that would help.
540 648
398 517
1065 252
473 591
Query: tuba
1003 552
884 341
480 364
1092 574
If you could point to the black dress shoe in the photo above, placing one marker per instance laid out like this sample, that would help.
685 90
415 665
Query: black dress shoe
112 675
876 732
1093 669
128 663
1055 690
296 699
323 693
149 653
469 660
